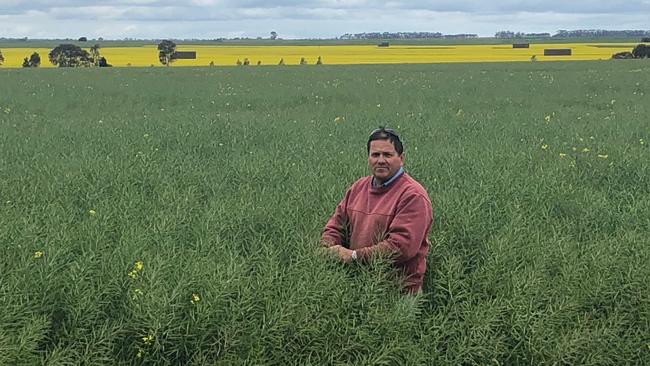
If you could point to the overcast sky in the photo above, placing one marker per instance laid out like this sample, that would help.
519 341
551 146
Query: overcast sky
208 19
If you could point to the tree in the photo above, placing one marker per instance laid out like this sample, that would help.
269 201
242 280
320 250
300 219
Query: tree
33 61
166 54
274 35
94 51
319 61
69 55
83 39
303 61
281 62
2 58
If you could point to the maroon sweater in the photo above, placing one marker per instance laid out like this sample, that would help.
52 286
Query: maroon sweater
393 220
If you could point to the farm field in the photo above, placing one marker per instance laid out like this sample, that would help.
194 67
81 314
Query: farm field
338 55
172 215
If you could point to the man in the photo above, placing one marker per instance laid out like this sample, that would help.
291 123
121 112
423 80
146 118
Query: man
387 213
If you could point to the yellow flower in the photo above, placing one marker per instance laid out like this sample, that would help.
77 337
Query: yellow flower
133 274
92 212
562 155
146 135
139 354
139 266
339 119
547 118
603 156
195 298
136 293
585 150
574 148
148 339
641 141
544 147
38 254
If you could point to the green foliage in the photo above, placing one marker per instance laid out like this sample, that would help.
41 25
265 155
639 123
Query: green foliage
219 181
33 61
641 51
94 52
166 52
2 58
70 55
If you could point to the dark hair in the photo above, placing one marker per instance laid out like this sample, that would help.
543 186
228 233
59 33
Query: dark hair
386 134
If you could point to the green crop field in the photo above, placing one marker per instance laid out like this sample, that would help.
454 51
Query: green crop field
171 216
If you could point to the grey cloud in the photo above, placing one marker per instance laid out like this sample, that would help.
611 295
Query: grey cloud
472 6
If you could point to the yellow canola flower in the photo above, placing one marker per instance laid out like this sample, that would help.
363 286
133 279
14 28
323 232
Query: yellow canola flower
38 254
92 212
544 147
139 266
139 354
137 293
133 274
547 118
148 339
603 156
562 155
585 150
226 55
195 299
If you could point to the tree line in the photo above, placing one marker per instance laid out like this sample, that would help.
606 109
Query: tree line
404 35
579 33
67 55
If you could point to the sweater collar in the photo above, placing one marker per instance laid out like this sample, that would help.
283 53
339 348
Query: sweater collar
390 181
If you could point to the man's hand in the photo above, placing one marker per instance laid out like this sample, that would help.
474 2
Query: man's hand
344 254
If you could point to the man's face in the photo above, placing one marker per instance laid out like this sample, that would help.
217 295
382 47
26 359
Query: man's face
384 161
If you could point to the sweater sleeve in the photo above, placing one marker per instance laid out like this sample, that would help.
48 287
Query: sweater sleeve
335 229
407 231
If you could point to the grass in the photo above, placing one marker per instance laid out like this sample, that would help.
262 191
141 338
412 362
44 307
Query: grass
219 181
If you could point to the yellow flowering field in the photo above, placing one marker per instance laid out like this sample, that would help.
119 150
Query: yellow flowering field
337 55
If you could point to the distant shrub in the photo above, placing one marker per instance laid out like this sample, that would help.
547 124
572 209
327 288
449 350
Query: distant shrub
239 62
33 61
383 44
281 63
319 61
103 63
623 55
303 61
246 61
641 51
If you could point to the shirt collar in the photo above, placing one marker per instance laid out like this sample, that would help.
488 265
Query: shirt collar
391 180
